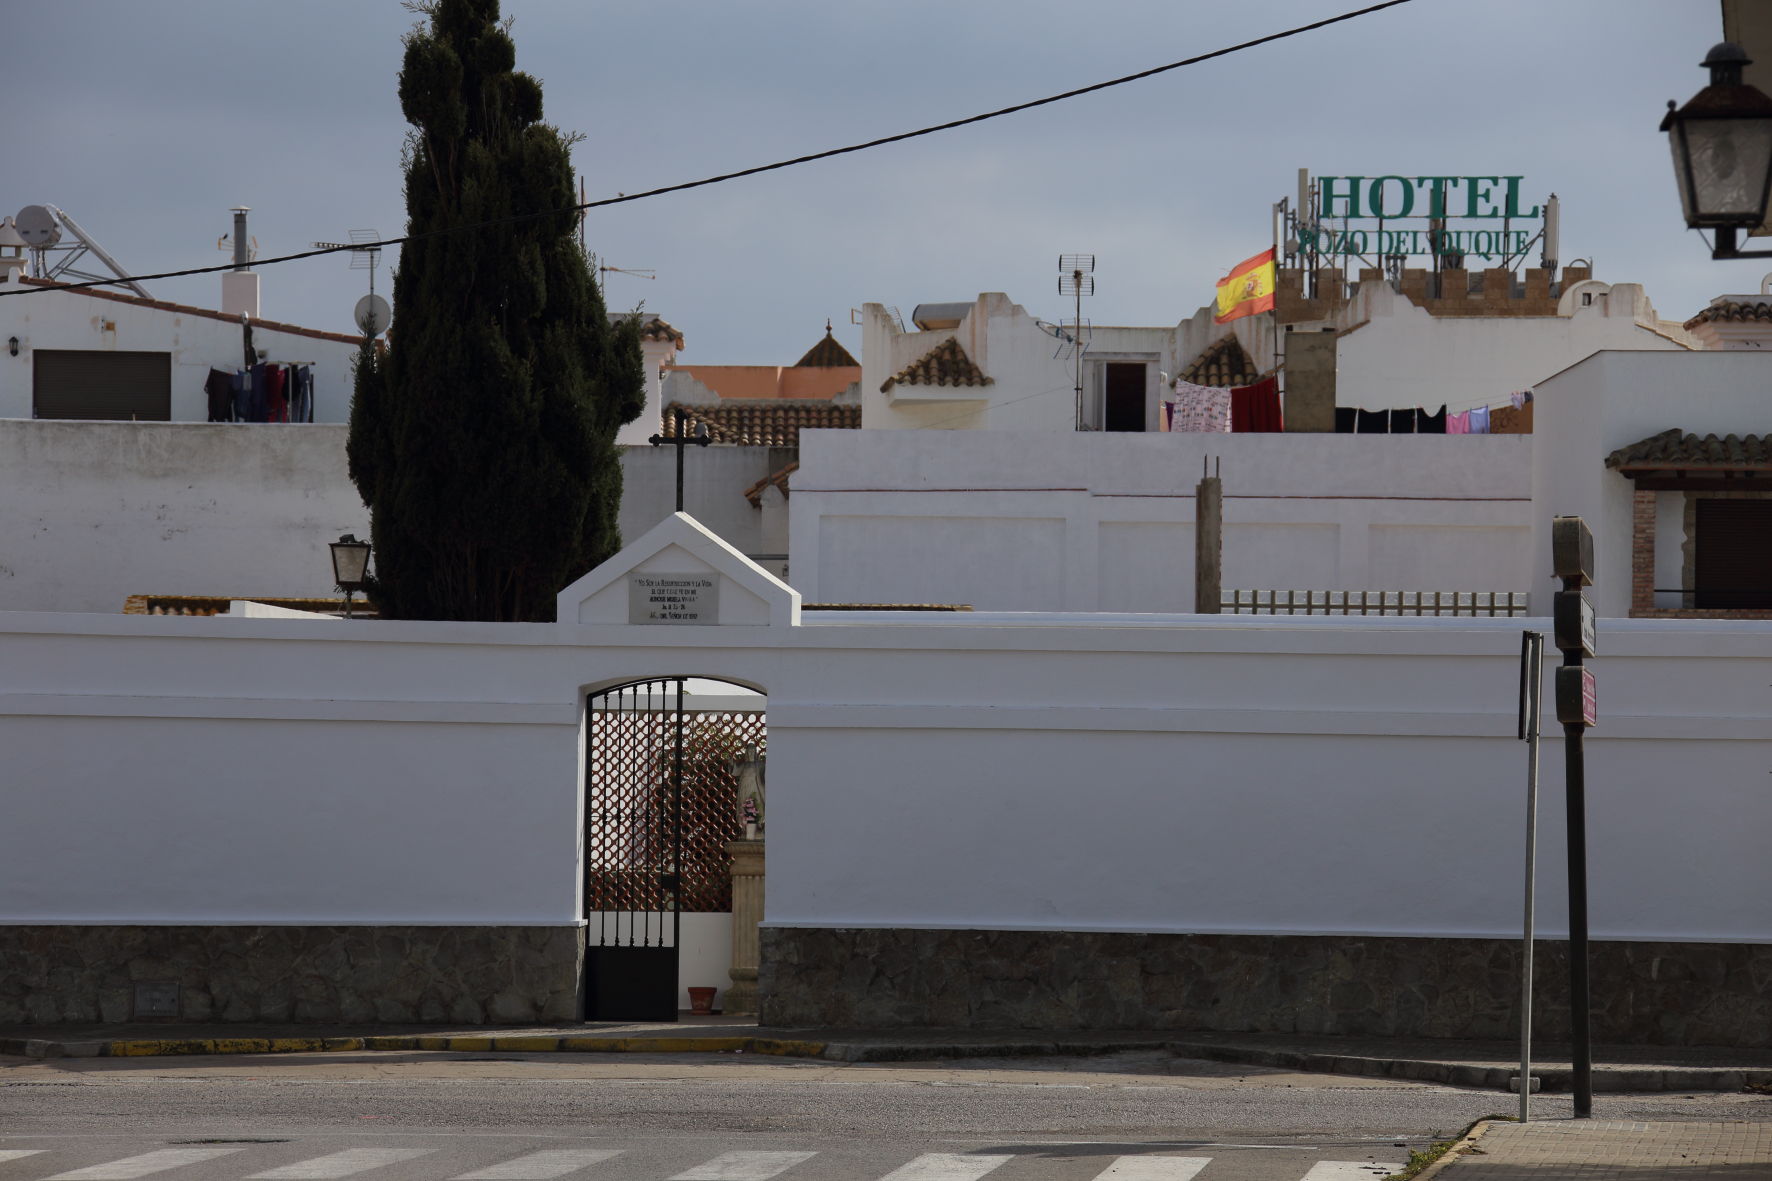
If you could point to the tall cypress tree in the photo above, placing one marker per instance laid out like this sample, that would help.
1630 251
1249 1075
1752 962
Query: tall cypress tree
483 440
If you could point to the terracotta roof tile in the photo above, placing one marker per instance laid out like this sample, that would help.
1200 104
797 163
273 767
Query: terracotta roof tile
1732 310
1675 450
188 310
945 364
827 354
754 493
764 422
1221 364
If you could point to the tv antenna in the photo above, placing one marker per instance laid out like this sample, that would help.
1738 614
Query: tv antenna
1076 278
603 268
372 313
365 248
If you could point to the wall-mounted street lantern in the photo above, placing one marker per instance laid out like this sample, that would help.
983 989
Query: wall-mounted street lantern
350 566
1722 147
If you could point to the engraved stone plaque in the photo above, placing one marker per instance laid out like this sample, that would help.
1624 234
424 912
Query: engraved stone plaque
673 598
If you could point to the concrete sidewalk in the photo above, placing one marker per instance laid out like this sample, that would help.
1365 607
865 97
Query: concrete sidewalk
1609 1150
1459 1063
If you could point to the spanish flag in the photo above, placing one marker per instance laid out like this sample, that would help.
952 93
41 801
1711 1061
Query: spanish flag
1248 289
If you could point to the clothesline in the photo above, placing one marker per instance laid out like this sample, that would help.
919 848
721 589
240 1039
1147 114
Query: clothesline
1511 418
279 392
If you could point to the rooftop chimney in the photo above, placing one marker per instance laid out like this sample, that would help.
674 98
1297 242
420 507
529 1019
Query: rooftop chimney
12 251
240 285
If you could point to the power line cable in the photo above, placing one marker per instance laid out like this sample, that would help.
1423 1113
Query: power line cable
624 198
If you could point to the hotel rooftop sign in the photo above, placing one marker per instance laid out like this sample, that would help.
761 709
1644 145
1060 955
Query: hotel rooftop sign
1437 200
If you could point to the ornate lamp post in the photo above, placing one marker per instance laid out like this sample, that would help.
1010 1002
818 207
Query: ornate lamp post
1722 148
350 564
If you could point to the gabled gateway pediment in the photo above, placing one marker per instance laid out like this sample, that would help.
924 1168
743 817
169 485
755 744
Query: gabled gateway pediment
680 573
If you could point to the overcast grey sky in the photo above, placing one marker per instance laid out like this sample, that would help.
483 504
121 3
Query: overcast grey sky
146 121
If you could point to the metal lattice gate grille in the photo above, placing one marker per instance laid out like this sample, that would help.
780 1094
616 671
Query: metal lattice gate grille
661 803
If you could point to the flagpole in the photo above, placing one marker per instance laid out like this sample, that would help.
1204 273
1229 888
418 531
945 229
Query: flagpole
1276 226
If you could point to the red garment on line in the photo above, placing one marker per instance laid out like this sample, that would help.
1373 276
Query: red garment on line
1256 408
276 404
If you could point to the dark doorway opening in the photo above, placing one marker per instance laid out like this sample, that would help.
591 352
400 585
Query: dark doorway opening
1123 397
1732 565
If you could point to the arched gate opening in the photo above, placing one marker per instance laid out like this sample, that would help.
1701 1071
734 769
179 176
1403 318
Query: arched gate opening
662 768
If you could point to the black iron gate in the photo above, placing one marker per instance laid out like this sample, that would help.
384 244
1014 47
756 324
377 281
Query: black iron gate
660 805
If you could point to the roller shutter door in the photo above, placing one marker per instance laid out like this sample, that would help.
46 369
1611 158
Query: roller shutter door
1733 563
86 384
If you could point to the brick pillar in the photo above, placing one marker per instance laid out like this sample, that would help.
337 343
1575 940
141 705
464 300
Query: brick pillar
1642 552
1310 381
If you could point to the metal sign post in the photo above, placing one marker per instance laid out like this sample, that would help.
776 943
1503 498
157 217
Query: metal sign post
1572 560
1531 680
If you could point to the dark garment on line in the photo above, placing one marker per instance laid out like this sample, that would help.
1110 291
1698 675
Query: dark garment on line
1373 422
242 383
1345 418
255 393
219 389
1430 424
300 392
1402 422
1256 408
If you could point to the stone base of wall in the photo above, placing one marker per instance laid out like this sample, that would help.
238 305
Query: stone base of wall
1705 994
456 975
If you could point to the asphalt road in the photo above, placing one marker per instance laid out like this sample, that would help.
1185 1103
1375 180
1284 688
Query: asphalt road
436 1117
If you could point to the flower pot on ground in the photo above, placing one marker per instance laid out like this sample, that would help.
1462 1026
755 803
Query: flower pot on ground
701 1000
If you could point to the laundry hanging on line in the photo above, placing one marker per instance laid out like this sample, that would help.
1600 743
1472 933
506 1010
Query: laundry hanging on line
263 393
1515 418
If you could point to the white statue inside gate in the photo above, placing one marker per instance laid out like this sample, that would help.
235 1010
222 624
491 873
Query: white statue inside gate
748 770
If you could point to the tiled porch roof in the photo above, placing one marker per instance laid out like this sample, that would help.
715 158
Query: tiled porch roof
1674 450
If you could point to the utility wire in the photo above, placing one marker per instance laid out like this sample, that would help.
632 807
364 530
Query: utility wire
624 198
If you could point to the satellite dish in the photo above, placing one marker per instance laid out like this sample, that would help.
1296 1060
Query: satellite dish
373 315
37 226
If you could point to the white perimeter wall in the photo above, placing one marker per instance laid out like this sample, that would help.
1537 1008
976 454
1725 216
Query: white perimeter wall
1121 772
48 319
1038 521
93 512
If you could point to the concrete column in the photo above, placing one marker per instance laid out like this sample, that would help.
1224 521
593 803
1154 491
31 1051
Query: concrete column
1208 545
747 912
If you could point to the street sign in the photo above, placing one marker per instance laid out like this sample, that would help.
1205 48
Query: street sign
1574 619
1577 703
1572 549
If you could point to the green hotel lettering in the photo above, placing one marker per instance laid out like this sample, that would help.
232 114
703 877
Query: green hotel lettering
1387 198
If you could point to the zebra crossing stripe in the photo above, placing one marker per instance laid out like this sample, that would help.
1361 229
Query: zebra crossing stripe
340 1164
744 1166
947 1166
1154 1168
131 1167
1350 1170
541 1166
7 1154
